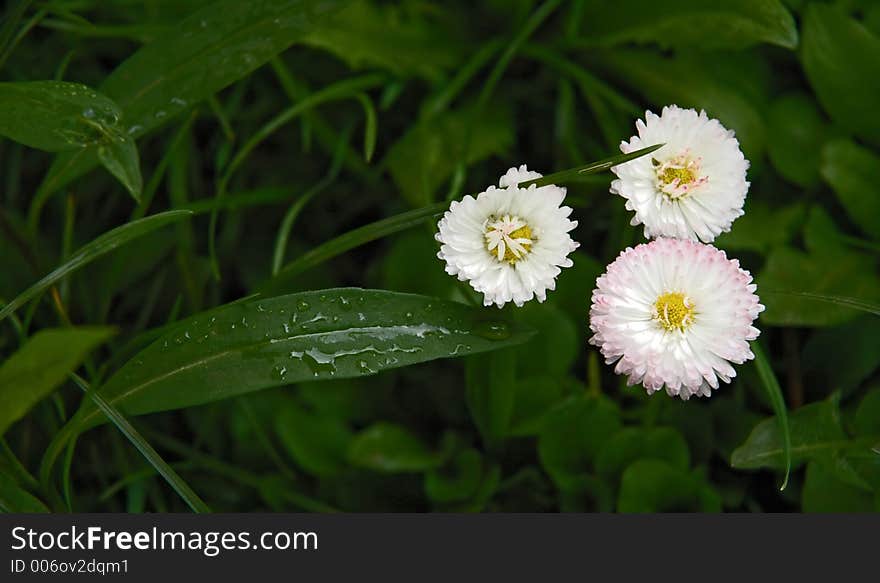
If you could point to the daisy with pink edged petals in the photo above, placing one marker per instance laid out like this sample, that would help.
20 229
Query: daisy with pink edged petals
675 314
509 243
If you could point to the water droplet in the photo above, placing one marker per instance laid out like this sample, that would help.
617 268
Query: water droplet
302 305
286 327
493 330
203 23
335 318
178 102
279 371
160 114
89 113
409 315
320 362
345 303
261 308
134 129
323 298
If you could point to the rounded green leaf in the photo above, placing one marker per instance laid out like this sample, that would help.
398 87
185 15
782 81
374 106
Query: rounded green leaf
798 131
317 442
842 61
388 447
651 485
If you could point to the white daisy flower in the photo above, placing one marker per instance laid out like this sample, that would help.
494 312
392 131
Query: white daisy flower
508 242
694 186
675 313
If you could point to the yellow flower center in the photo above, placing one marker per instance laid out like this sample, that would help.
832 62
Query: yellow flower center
509 238
679 175
673 311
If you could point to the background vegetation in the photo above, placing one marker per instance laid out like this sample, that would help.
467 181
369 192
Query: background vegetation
228 148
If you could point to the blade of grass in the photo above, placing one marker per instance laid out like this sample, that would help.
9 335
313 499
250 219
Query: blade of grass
854 303
297 207
348 241
370 125
91 251
151 455
774 392
591 168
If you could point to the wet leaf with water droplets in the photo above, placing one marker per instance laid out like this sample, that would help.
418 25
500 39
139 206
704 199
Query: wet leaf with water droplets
56 115
213 356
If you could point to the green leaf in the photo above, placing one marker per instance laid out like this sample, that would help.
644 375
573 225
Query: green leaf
367 35
13 498
41 365
823 491
854 174
827 270
867 418
490 393
426 155
388 447
816 435
535 397
458 480
347 242
57 115
120 158
841 59
799 130
721 95
651 485
733 24
633 443
269 342
91 251
316 441
192 60
554 348
774 393
574 433
762 227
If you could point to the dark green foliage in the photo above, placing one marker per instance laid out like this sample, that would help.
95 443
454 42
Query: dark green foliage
244 311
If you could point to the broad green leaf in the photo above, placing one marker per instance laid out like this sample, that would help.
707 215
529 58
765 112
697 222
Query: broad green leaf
41 365
392 448
490 393
823 491
854 173
799 130
426 155
91 251
651 485
659 79
458 480
534 397
763 227
732 24
13 498
554 348
634 443
841 59
832 359
816 435
192 60
120 158
574 433
828 269
269 342
372 35
57 115
316 441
